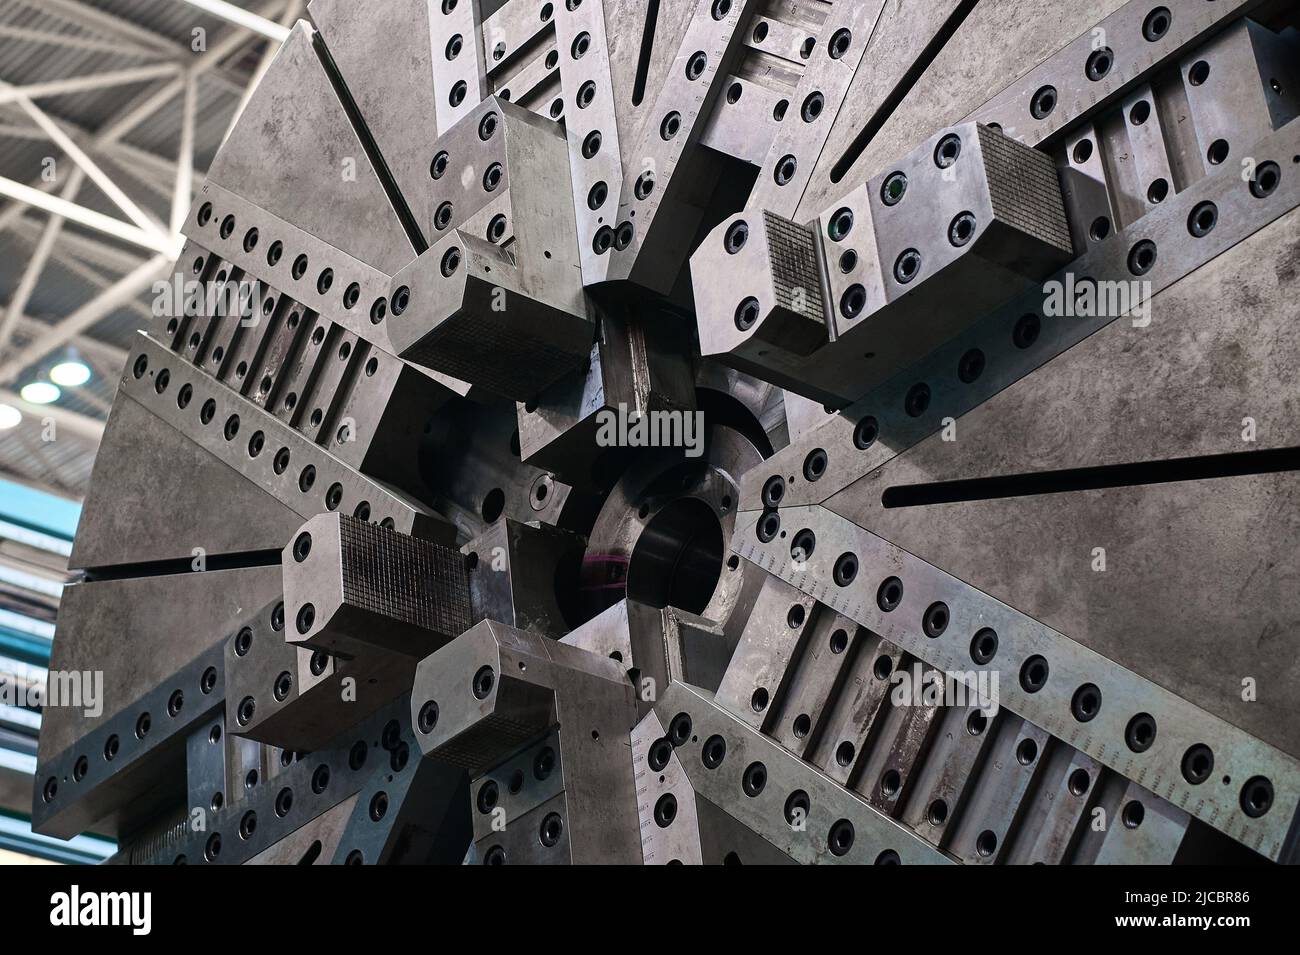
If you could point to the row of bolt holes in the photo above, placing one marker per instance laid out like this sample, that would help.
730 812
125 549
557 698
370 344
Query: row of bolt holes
1141 259
283 683
399 754
143 723
1256 797
753 782
243 643
1139 734
906 267
620 237
442 216
318 336
275 251
891 782
306 478
489 794
459 89
813 104
1100 62
456 95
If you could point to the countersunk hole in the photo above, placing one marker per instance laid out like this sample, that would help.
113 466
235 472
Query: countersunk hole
1198 763
1033 674
984 646
1086 702
890 594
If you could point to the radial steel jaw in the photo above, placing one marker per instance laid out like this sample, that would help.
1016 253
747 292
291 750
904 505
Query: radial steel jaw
901 265
497 299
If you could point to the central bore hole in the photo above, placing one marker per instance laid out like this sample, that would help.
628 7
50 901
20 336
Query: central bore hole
678 558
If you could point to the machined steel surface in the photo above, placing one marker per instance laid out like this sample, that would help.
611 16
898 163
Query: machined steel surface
713 431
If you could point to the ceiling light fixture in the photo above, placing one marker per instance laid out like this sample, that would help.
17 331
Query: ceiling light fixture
70 374
39 392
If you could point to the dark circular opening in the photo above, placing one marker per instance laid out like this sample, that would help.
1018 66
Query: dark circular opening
961 229
844 753
865 433
786 169
1203 218
677 559
552 828
893 188
483 682
983 646
488 796
1044 101
971 366
1198 763
737 235
946 153
1142 257
1267 176
1099 63
1256 796
679 730
1033 674
428 717
713 752
665 810
1086 703
841 837
937 813
1026 331
935 621
1156 24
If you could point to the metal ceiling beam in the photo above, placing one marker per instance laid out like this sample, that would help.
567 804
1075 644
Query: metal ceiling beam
88 217
68 40
147 104
243 18
101 21
109 357
82 252
97 175
36 264
90 82
108 301
132 156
